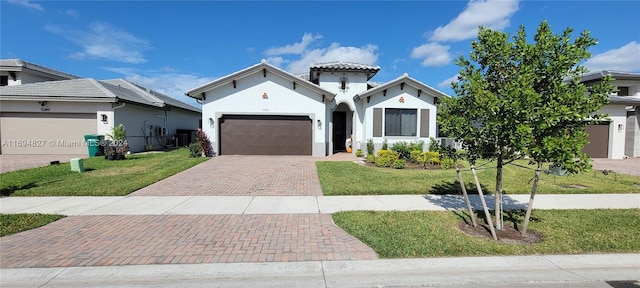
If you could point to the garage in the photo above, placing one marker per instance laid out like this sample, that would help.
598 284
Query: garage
45 133
598 137
265 135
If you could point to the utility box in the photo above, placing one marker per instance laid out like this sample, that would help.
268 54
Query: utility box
77 165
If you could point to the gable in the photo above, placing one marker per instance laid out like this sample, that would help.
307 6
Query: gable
250 76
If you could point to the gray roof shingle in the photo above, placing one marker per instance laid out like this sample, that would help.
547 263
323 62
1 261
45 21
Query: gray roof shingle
87 89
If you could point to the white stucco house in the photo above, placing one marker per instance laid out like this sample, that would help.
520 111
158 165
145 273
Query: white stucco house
619 136
264 110
53 116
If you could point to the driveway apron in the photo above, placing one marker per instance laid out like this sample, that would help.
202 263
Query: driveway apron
190 239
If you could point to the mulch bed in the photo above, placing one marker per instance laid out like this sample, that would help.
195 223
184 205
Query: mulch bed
509 234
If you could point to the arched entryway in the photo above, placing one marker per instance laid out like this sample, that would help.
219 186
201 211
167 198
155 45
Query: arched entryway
342 118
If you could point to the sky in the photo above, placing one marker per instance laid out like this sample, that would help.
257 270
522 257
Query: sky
174 46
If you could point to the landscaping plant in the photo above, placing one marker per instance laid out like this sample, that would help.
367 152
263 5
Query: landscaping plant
517 97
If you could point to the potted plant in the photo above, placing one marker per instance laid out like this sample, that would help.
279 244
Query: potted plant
118 143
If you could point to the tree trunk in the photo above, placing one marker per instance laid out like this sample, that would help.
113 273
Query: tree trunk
534 189
484 204
466 196
499 224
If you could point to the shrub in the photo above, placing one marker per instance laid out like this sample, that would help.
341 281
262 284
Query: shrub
371 158
383 162
205 143
404 152
416 145
434 145
195 150
359 153
399 164
446 163
385 146
427 158
415 155
386 158
370 148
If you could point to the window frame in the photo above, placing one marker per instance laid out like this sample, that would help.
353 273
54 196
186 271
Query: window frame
414 133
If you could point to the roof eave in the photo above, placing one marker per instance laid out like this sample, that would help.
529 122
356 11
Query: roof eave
197 92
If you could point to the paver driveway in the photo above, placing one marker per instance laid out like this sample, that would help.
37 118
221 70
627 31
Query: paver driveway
190 239
242 176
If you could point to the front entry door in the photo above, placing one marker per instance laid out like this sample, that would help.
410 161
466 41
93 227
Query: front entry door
339 131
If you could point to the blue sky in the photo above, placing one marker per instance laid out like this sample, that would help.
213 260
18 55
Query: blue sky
173 46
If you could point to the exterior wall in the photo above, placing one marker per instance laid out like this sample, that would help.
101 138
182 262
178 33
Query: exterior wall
632 143
182 119
24 77
634 86
140 124
392 100
282 99
356 83
618 117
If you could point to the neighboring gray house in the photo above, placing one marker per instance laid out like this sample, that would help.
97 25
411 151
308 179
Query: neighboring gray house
17 72
52 117
265 110
619 136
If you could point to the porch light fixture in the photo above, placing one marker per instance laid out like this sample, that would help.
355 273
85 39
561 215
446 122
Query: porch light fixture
319 124
103 118
211 122
620 128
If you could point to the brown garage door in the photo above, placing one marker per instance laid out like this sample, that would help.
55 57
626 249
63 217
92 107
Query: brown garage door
598 137
265 135
46 133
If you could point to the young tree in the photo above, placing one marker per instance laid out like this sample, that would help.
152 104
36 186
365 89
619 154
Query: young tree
490 99
517 97
561 106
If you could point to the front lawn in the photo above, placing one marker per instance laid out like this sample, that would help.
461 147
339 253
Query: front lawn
436 234
348 178
16 223
102 178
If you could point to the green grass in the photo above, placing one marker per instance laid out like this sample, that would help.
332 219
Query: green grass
102 178
436 233
16 223
348 178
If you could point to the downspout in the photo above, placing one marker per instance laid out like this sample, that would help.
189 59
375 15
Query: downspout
114 112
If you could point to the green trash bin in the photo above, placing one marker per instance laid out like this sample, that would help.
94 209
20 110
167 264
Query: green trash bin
95 144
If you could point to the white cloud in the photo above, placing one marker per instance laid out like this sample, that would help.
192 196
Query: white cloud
494 14
101 40
165 80
296 48
446 83
26 4
625 58
70 12
305 56
435 54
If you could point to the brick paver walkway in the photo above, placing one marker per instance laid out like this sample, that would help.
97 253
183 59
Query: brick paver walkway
185 239
242 176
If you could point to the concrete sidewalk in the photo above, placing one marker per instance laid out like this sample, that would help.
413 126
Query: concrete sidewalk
220 205
601 270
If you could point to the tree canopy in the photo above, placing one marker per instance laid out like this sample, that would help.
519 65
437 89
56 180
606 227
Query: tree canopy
518 98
